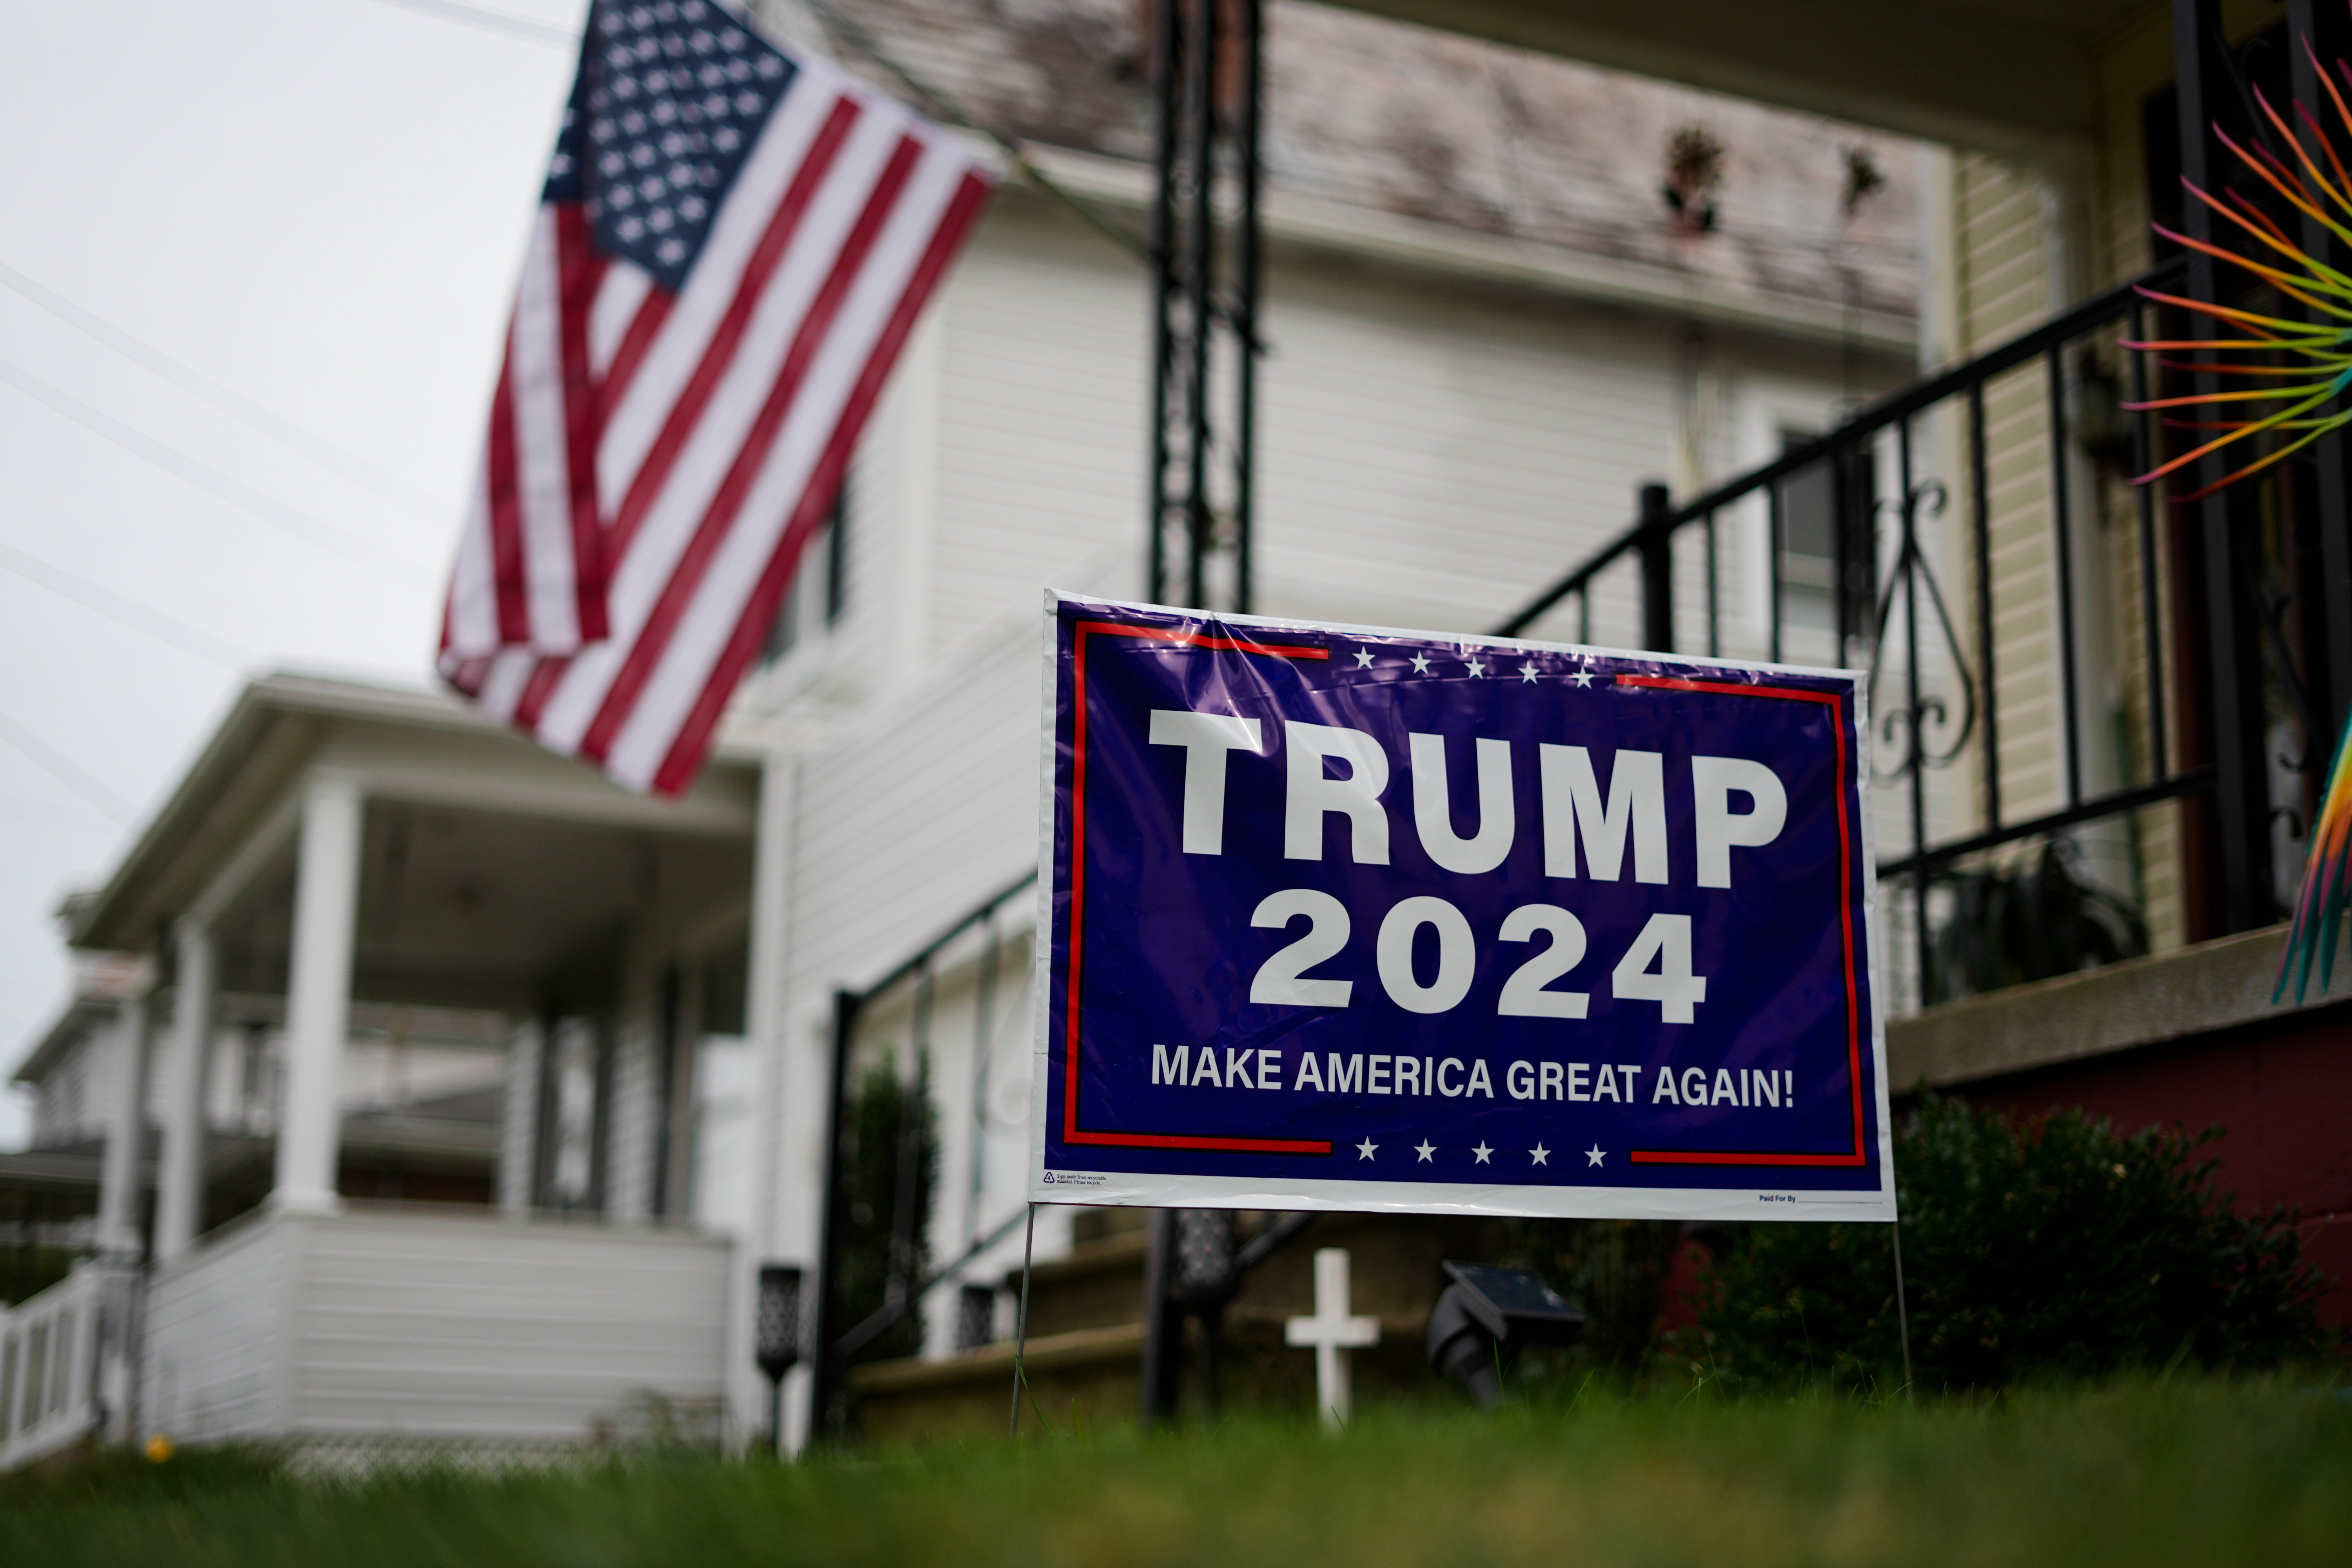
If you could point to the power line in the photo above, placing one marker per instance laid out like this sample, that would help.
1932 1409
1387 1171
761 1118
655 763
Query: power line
244 496
128 613
865 43
244 410
43 811
502 22
64 769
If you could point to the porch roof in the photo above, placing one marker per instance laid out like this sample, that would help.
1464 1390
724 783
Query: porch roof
407 745
2002 75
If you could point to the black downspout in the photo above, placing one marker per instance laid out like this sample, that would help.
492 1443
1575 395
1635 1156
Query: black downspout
1164 77
1247 266
2241 787
2329 30
1201 90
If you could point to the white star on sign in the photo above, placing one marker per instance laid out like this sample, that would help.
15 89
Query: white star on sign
1363 659
1539 1152
1594 1154
1482 1151
1527 672
1583 677
1364 1150
1477 670
1425 1149
1421 664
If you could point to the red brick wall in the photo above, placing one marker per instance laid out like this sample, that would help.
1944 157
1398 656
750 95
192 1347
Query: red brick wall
2283 1091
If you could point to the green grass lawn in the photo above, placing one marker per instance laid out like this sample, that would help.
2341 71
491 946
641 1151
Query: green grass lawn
2196 1473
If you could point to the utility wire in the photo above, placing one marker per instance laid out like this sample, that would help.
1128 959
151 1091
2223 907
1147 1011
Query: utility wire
244 496
865 43
43 811
243 410
63 769
490 21
128 613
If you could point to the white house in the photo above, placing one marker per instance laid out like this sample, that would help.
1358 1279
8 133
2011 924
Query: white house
1486 327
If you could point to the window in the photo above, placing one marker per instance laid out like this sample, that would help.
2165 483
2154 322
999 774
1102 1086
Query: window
1829 578
819 590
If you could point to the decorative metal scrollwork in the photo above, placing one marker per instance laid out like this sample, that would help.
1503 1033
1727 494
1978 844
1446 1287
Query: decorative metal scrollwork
1906 726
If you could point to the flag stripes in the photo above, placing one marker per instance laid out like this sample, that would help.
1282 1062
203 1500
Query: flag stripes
675 451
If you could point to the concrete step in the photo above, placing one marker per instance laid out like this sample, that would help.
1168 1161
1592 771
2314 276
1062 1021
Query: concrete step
1099 1284
1086 1333
1084 1377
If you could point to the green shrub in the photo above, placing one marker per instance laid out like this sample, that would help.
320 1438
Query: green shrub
879 1149
1613 1269
2031 918
2055 1247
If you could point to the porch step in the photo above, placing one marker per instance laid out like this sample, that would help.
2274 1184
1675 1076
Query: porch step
1083 1377
1099 1284
1086 1335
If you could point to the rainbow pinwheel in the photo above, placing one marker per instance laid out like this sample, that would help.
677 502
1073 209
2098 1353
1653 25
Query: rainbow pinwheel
2308 364
2315 357
2326 882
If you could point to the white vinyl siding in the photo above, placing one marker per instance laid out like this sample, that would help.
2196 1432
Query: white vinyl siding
383 1323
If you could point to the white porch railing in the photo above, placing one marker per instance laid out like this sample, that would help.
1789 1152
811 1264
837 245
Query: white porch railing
48 1367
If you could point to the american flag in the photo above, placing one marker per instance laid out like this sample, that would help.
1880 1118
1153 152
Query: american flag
732 248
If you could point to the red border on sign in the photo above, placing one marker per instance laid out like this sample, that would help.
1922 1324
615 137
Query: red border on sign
1071 1131
1845 915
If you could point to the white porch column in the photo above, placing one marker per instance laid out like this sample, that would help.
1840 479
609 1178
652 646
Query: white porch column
126 1134
318 993
519 1131
120 1243
180 1185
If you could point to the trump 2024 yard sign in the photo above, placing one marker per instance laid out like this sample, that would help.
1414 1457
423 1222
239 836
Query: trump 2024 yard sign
1334 917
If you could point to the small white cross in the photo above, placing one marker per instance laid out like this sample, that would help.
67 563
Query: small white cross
1333 1334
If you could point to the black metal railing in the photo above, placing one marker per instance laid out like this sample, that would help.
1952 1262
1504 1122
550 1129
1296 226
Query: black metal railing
2033 438
907 1284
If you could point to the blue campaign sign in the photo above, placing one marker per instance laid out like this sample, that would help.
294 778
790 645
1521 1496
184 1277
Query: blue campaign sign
1334 917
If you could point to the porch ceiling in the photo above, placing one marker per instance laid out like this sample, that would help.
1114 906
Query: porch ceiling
468 908
2003 75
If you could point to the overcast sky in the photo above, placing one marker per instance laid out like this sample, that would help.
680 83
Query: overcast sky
318 207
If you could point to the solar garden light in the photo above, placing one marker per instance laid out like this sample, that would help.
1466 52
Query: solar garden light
777 1343
1487 1315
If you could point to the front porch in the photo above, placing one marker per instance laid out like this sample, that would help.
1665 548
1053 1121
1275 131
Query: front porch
421 1030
